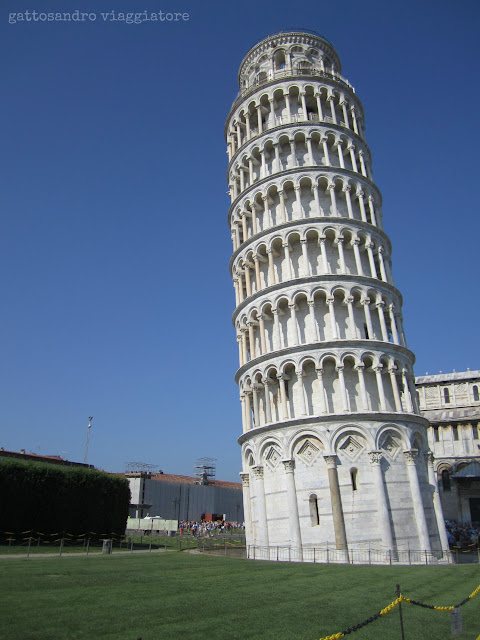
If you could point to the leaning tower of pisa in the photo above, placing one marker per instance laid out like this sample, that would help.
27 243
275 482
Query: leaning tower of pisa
334 449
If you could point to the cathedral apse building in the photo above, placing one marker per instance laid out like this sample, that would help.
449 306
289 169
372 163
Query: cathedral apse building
334 449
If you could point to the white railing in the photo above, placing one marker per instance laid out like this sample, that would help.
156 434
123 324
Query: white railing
285 73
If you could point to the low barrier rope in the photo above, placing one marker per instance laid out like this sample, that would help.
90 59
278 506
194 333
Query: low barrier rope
401 598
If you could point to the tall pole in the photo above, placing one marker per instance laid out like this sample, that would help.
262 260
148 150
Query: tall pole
90 418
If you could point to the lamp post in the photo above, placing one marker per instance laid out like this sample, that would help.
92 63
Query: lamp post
90 418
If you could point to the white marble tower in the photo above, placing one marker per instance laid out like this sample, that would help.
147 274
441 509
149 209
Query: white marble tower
334 449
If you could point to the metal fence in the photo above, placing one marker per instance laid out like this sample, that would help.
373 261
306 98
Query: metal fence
326 555
64 544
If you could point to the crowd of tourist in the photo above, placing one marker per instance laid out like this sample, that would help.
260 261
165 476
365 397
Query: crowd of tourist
209 529
460 535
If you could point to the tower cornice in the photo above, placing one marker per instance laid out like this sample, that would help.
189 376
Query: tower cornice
374 346
326 278
334 419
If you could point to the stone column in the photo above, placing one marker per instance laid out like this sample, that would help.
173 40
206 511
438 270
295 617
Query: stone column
331 313
315 197
363 390
419 512
346 190
361 204
372 210
256 264
358 259
437 505
381 390
354 120
382 505
276 330
260 507
313 321
263 342
353 330
323 404
253 213
362 163
263 168
336 499
286 250
293 316
340 154
250 172
248 411
406 391
259 119
396 393
303 408
325 152
306 262
341 256
310 151
398 317
248 284
323 252
268 408
373 270
319 107
351 148
237 235
287 104
383 324
247 507
304 105
244 420
266 213
343 104
368 318
283 213
277 157
256 412
298 200
240 350
247 125
393 324
343 390
271 268
240 287
235 286
331 188
242 182
251 339
293 148
283 395
382 265
332 109
244 345
293 518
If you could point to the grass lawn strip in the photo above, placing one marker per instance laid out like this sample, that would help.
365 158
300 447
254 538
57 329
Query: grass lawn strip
171 595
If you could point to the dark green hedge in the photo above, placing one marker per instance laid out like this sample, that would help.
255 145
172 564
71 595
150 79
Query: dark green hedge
50 498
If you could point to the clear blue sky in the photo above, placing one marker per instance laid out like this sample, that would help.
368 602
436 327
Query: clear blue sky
116 295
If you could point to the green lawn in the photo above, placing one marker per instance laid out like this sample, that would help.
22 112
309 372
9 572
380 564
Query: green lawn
176 595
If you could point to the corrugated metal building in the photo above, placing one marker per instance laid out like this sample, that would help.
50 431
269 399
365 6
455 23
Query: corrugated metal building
183 497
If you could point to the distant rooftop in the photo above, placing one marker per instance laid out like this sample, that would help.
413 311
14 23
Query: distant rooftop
34 457
447 377
169 477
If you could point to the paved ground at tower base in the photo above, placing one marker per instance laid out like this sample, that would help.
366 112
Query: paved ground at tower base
173 595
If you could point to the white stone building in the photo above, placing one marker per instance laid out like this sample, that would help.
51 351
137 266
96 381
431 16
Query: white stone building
451 404
334 448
